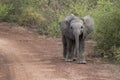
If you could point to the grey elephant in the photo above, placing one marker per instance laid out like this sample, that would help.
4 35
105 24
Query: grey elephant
74 32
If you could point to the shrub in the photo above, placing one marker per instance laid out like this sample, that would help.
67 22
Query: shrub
30 17
4 12
53 29
108 29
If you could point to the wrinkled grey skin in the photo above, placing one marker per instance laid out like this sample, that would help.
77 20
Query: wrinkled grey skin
74 31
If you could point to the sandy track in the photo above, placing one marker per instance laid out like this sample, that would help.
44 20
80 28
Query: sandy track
25 55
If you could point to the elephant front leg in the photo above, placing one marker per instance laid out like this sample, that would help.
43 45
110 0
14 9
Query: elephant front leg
74 52
69 55
64 46
81 55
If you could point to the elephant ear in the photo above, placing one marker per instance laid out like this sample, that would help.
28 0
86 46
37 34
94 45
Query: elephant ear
67 20
89 25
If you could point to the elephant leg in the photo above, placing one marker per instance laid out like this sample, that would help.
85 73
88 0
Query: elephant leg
74 52
81 55
64 46
69 56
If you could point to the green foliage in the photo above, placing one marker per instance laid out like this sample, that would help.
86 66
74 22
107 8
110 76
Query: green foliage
4 12
107 32
53 29
30 17
117 55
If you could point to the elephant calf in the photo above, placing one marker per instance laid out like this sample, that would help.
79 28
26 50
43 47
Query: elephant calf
74 31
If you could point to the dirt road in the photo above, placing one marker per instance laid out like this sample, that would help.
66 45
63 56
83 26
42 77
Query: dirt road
25 55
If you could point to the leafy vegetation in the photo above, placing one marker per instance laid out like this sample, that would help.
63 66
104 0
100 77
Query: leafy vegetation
44 15
107 32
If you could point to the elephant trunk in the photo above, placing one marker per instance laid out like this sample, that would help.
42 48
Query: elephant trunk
77 43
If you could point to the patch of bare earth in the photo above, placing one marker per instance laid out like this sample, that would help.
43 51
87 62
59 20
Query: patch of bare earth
25 55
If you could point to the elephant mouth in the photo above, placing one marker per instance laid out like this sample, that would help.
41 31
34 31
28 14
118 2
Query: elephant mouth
81 36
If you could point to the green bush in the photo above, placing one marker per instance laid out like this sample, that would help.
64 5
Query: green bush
4 12
53 29
30 17
117 55
107 30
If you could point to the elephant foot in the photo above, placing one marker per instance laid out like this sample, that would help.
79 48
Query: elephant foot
81 62
68 60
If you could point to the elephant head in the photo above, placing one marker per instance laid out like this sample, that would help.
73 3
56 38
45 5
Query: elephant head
78 25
